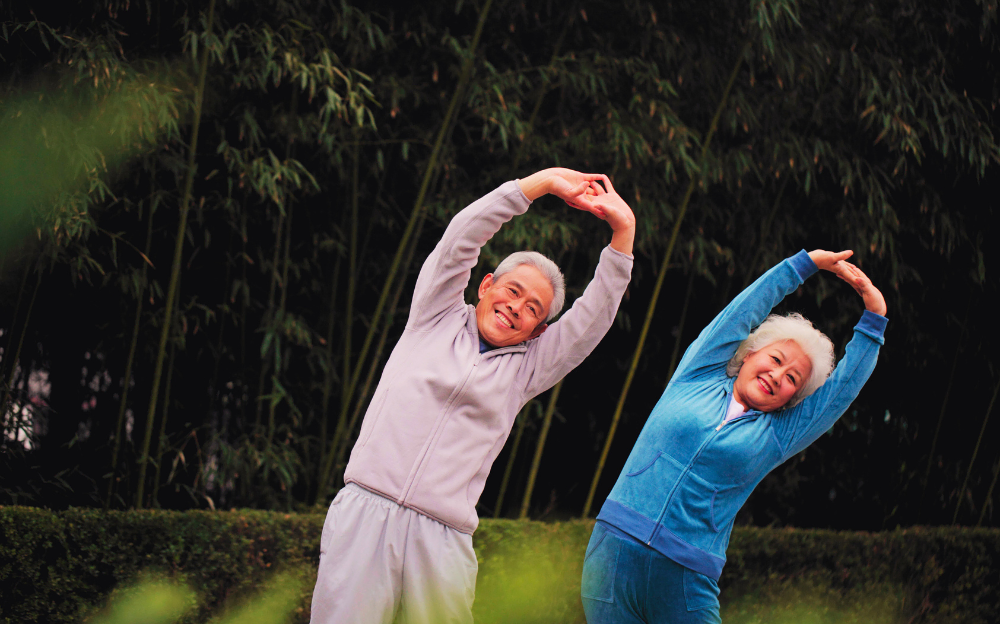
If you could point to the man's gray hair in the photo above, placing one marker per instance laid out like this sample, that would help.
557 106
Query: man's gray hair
546 267
776 328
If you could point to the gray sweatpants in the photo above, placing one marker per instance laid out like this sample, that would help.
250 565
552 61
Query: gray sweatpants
380 562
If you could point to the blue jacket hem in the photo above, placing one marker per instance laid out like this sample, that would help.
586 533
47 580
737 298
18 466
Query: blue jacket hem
664 542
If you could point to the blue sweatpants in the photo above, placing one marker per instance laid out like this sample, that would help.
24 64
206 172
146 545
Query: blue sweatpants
627 582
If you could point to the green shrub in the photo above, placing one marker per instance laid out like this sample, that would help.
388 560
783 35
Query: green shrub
64 566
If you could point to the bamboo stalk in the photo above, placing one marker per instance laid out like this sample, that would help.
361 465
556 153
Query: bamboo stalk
282 305
337 459
163 426
550 410
17 357
947 395
989 494
7 359
243 320
418 205
432 165
176 267
765 229
123 404
522 418
272 405
675 354
269 317
352 250
542 90
659 282
213 387
975 451
325 446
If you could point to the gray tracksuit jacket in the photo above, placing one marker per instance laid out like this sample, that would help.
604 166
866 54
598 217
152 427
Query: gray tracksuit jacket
443 410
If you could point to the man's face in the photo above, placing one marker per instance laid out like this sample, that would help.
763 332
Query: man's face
769 378
513 307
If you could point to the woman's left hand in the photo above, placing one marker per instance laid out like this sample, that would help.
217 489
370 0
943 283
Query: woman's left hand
874 301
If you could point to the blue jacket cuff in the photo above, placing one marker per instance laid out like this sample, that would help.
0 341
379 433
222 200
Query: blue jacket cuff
873 326
803 265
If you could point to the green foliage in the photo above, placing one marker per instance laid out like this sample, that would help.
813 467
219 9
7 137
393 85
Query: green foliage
850 124
60 567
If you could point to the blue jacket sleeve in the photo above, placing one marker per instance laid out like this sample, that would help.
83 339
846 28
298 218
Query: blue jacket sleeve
801 425
720 338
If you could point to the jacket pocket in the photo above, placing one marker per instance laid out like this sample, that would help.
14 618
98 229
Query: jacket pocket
646 483
600 565
644 468
697 501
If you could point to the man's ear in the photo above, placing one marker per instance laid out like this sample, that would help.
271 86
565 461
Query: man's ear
485 284
538 331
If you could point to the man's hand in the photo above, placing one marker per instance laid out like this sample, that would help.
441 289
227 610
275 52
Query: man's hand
607 204
565 184
584 191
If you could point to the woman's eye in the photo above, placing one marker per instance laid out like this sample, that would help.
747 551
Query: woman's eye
776 360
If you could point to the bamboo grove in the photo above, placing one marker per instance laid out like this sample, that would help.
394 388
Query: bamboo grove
213 212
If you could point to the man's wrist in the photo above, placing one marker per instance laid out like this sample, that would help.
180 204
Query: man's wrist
623 239
536 185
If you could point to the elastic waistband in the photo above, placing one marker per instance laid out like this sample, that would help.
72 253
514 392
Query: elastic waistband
360 491
356 489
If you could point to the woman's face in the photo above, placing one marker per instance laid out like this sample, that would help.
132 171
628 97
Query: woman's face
771 376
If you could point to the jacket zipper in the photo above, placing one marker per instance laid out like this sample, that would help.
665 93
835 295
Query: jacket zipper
694 458
415 471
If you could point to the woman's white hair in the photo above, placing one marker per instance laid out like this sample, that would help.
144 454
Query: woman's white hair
776 328
546 267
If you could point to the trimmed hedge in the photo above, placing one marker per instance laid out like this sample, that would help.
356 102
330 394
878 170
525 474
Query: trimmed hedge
59 566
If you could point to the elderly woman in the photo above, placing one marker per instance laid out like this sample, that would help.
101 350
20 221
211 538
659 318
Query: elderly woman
749 394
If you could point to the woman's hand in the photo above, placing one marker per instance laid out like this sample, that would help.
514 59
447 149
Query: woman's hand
874 301
827 260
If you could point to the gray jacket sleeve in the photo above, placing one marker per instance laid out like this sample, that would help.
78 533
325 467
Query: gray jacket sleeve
444 275
571 339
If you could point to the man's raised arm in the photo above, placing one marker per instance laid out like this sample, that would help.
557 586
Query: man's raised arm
571 339
446 271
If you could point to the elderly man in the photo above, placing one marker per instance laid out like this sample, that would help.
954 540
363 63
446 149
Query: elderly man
397 542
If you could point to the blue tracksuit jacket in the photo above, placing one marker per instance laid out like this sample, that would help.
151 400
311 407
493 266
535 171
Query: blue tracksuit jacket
687 477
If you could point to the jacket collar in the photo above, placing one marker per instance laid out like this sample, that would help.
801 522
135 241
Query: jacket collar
473 328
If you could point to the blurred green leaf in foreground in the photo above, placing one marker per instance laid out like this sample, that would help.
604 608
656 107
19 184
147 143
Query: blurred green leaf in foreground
58 144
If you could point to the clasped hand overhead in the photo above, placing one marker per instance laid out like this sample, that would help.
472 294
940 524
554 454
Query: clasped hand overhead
836 262
590 192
